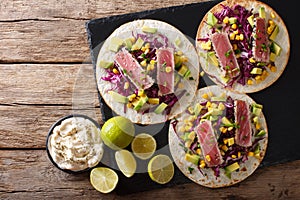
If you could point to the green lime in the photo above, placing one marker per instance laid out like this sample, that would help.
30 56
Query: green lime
161 169
104 179
126 162
117 132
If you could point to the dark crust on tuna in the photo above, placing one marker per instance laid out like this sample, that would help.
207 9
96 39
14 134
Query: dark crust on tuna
207 178
202 28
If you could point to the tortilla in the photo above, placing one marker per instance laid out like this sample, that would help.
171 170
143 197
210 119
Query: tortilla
166 35
206 177
241 84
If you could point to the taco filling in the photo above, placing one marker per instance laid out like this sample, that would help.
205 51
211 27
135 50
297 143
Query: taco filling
220 133
244 38
147 72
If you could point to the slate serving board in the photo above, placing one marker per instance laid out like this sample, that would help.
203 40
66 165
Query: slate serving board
281 100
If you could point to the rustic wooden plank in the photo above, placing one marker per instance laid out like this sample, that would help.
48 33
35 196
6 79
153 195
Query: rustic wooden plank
78 9
33 97
18 168
55 31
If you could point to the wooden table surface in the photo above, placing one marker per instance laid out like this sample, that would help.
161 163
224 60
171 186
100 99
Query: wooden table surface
44 54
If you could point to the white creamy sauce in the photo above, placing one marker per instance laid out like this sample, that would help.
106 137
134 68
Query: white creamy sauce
76 144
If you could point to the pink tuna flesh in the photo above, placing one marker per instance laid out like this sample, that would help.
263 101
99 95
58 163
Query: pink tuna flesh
243 135
209 144
133 70
261 50
225 54
165 70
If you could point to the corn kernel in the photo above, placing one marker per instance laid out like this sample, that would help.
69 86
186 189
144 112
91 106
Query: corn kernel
149 67
202 165
144 63
222 153
202 161
198 151
115 71
257 78
143 49
182 129
239 154
273 69
273 15
191 110
126 85
205 96
129 105
257 126
221 106
241 36
179 53
207 157
269 30
187 128
233 156
234 26
234 46
131 97
183 59
249 82
208 104
230 141
146 51
224 148
230 128
226 20
141 92
250 153
152 62
168 69
147 45
192 135
202 73
237 37
252 60
257 155
231 36
236 32
188 143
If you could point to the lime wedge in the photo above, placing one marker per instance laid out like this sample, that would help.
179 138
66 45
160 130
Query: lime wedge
161 169
126 162
104 179
143 146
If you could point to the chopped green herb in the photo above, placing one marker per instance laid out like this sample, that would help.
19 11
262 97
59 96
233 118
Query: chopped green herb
227 54
190 169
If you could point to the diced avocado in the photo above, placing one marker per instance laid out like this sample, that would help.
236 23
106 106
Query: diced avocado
115 44
256 111
138 44
160 108
218 98
256 70
192 158
197 109
105 64
262 12
261 133
216 111
147 29
140 103
272 57
224 79
212 58
177 79
256 149
275 48
274 33
183 70
231 168
257 105
187 74
177 61
118 97
213 118
128 43
226 121
251 20
211 19
232 20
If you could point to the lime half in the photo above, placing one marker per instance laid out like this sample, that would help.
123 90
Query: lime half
143 146
104 179
126 162
161 169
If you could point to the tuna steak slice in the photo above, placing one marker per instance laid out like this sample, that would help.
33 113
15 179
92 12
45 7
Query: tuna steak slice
225 53
165 70
209 144
261 50
243 136
133 70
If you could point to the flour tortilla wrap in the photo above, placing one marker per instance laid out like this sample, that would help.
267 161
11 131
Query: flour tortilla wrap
282 39
207 177
167 33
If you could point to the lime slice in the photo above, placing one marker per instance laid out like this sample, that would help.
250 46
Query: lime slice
161 169
104 179
143 146
126 162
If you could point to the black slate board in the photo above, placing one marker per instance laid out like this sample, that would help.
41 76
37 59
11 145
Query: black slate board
281 101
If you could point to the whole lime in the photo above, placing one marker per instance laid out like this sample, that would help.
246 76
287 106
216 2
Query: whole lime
117 132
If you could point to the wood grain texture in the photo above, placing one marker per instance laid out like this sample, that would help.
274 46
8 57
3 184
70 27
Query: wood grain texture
54 31
33 97
18 168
